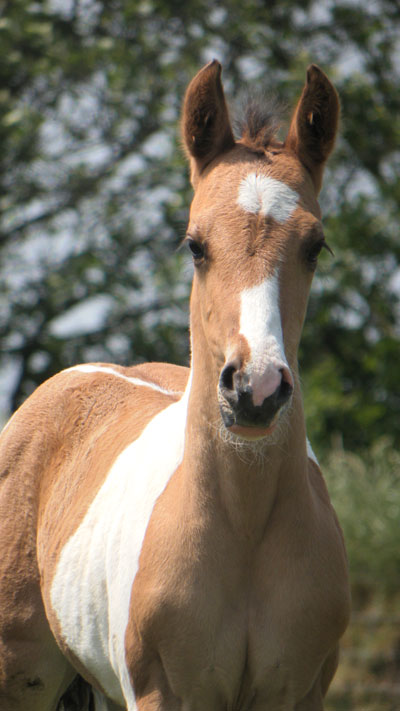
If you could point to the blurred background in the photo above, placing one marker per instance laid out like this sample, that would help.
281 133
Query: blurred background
94 197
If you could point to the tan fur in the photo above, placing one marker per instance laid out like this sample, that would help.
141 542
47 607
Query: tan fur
242 591
48 453
206 127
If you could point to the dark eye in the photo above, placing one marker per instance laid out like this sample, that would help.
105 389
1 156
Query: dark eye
196 249
313 250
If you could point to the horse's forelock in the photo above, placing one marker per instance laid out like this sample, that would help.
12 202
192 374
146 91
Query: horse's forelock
257 120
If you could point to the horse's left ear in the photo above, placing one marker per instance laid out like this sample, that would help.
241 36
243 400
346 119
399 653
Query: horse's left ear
206 129
314 124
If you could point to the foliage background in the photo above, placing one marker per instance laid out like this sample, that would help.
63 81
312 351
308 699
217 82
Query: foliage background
94 196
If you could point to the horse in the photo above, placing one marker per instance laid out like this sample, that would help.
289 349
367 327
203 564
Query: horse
166 532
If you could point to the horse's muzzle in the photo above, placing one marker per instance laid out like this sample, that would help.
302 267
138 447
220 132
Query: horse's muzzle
236 399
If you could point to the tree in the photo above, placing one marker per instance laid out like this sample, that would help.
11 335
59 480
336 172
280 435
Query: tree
354 312
94 189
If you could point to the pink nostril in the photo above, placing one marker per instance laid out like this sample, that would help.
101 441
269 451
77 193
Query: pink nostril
271 380
265 385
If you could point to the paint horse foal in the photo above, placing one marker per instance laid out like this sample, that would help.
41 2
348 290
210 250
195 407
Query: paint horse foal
167 533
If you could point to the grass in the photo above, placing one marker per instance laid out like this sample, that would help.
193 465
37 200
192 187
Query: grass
368 677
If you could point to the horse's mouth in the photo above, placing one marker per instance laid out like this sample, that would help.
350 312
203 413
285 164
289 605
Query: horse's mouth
248 421
252 433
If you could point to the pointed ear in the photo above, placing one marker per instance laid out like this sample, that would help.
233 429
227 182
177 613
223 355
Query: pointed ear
206 129
314 124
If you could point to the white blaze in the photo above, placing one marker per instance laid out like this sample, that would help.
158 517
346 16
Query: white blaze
260 325
270 197
260 318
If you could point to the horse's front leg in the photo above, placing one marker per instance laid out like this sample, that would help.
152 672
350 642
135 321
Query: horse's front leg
151 689
101 703
180 692
314 701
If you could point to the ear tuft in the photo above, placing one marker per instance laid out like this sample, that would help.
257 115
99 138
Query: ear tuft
206 129
314 124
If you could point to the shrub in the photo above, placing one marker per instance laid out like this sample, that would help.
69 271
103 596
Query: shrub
365 491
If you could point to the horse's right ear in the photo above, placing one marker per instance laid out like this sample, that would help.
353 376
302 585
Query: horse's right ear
206 129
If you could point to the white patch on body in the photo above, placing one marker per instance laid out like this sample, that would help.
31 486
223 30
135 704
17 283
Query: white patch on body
260 325
91 589
88 368
310 453
270 197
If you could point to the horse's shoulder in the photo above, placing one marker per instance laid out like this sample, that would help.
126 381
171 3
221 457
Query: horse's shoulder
84 409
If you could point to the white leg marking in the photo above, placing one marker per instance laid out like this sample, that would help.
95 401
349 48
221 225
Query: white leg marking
92 585
88 368
258 193
260 324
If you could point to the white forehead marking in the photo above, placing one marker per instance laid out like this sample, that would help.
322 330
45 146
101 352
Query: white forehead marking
260 324
258 193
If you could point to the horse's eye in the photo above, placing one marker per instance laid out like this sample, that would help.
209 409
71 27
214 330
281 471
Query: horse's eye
313 250
196 249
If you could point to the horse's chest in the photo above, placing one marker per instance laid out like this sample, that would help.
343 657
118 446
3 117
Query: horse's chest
225 633
224 661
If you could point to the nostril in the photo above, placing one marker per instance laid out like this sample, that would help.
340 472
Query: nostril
226 377
286 389
287 379
286 386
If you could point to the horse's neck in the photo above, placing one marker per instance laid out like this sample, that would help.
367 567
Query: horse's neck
243 480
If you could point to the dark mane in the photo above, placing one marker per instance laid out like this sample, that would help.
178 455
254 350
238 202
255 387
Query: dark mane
257 119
